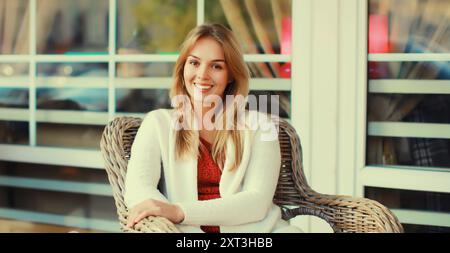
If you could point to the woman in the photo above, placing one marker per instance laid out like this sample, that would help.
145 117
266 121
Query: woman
216 178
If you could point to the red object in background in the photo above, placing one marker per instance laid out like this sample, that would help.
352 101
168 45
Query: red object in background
378 44
286 35
286 45
285 70
378 34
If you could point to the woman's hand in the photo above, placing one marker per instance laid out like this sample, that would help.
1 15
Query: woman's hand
152 207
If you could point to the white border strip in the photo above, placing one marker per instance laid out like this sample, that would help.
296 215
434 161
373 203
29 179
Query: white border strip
73 82
72 117
32 74
426 218
404 129
410 86
56 185
408 178
9 58
112 62
15 82
393 57
200 12
14 114
52 155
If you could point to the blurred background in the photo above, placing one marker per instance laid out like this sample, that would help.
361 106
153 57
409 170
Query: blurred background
365 83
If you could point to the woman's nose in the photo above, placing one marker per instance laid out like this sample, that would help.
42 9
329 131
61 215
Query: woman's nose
202 72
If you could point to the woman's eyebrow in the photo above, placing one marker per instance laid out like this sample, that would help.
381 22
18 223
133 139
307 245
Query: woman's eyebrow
198 58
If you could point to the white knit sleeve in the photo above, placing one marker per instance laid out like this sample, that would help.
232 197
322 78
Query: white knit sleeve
144 167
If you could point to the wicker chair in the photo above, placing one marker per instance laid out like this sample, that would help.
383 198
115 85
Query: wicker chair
293 195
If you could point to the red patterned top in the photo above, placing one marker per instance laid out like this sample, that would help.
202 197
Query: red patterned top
208 178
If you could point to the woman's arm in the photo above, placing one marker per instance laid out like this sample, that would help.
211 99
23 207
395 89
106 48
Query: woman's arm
255 199
144 167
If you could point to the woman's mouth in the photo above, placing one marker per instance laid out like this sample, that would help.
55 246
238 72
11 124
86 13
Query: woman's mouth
203 87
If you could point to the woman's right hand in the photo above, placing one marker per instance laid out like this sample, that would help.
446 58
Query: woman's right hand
152 207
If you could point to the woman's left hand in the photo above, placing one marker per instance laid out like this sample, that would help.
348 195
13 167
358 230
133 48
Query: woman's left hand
152 207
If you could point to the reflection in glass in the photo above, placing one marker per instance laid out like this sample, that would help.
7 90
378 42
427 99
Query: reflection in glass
14 26
282 103
14 132
409 26
141 69
412 200
72 99
424 152
53 172
429 108
157 26
68 135
14 97
60 203
73 69
263 26
72 27
142 100
13 69
409 70
269 69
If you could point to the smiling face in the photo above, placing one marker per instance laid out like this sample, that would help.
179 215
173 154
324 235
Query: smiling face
205 70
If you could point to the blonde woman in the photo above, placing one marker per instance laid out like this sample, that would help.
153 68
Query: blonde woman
214 178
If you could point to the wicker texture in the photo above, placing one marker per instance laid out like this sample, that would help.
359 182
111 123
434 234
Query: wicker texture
293 194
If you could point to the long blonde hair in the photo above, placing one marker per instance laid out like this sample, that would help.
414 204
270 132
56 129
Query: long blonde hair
187 141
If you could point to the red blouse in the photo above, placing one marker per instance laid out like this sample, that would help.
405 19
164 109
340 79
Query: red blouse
208 178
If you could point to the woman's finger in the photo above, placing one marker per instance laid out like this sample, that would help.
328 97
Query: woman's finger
130 220
141 216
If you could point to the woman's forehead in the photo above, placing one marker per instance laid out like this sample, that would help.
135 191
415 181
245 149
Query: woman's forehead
207 49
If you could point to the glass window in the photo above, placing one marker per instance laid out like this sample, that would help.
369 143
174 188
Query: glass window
144 69
156 26
408 92
72 27
425 152
72 69
413 26
69 135
13 70
416 201
14 27
14 97
53 172
142 100
14 132
263 26
60 203
72 99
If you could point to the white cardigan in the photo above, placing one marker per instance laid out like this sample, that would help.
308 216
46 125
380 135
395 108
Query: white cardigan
246 192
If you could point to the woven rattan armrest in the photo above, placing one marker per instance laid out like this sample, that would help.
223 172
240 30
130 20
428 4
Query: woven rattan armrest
152 224
347 214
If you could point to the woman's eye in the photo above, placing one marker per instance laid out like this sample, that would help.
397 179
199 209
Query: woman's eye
193 63
217 67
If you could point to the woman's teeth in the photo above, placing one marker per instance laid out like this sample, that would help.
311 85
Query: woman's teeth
203 86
